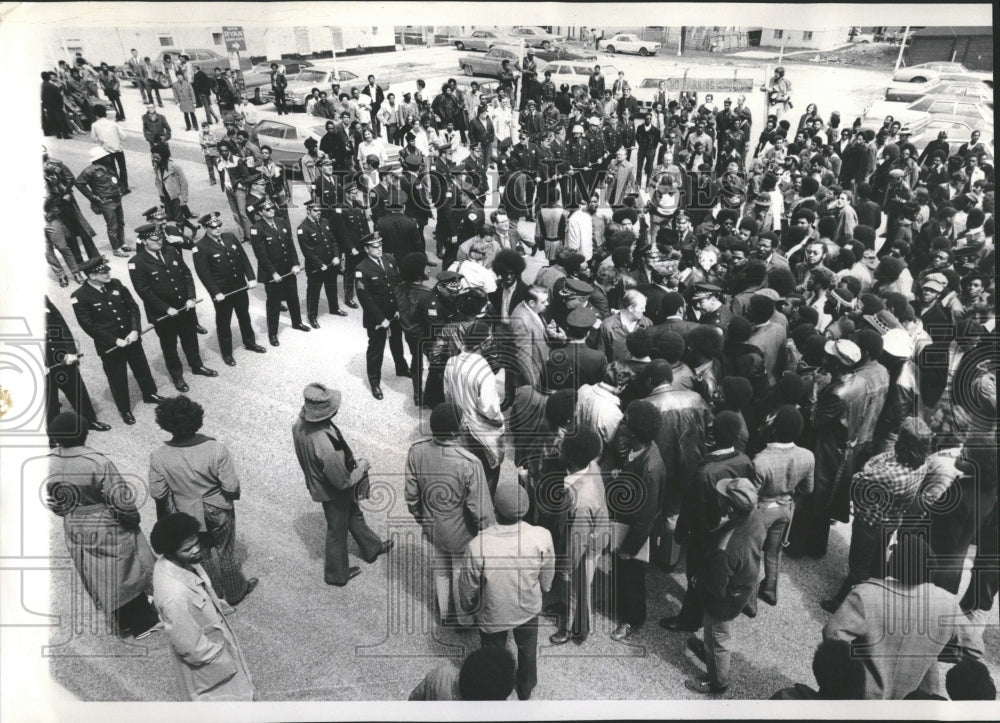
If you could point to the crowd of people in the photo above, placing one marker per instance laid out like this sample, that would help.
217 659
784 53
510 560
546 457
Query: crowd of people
722 358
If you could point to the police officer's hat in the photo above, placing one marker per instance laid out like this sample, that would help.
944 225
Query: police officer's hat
147 230
445 276
268 205
211 220
371 239
154 212
96 265
325 162
313 205
576 287
705 289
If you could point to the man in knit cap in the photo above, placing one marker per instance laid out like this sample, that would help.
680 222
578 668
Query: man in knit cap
447 495
504 573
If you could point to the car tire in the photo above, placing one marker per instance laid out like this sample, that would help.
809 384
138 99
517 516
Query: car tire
459 45
467 69
918 79
643 52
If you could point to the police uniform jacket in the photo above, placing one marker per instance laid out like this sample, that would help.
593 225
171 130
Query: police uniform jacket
400 234
161 284
174 236
376 287
222 265
578 152
349 226
596 140
107 315
273 247
58 338
254 203
318 245
524 157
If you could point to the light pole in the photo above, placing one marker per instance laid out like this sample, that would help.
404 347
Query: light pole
902 48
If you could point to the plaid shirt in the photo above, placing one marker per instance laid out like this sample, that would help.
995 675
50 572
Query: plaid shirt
885 489
783 469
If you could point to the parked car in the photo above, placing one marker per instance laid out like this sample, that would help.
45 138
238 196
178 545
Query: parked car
535 37
646 91
488 89
302 84
286 136
628 43
207 60
910 92
484 40
959 131
929 71
259 76
489 64
577 73
979 114
564 52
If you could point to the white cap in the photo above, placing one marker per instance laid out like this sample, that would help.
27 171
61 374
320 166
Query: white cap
96 153
897 343
845 350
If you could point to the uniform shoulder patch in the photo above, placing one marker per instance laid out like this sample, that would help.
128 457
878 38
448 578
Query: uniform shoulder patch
359 274
131 265
75 300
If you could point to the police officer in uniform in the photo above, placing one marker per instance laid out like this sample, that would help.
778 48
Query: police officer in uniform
108 314
598 154
324 259
277 265
578 155
175 236
62 371
165 284
350 226
438 311
225 270
256 196
376 278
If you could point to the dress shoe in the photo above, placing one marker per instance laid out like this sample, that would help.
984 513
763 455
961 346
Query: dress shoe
697 646
181 385
339 312
750 610
204 371
704 686
404 373
352 304
229 361
256 348
768 596
273 339
120 253
301 327
251 584
200 329
98 427
830 605
153 399
128 418
560 638
63 282
672 623
377 391
126 248
622 632
313 322
352 573
386 548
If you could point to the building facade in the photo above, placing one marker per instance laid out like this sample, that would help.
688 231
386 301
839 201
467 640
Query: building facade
970 45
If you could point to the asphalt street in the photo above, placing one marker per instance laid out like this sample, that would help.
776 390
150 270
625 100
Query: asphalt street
375 638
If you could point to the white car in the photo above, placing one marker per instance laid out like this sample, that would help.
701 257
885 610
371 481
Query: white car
628 43
535 37
286 135
577 73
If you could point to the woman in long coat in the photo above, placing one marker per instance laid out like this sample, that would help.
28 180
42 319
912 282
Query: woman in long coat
207 658
186 100
101 524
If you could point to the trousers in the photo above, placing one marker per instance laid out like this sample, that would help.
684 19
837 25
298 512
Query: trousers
416 366
343 515
115 363
376 350
136 616
447 568
56 240
718 656
526 639
119 157
114 219
239 303
630 590
321 280
220 538
67 379
182 327
286 290
776 522
238 205
579 601
206 103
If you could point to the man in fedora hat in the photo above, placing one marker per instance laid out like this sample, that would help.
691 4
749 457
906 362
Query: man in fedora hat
728 580
332 475
225 271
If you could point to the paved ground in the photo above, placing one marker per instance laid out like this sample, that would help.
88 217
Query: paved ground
374 639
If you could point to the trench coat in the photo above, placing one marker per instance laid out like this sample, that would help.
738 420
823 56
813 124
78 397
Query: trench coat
185 95
207 659
101 525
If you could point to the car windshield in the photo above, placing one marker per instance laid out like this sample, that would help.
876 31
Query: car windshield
312 76
650 82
